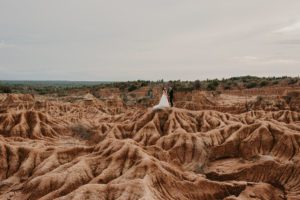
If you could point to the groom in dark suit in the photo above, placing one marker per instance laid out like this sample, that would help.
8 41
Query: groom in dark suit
171 95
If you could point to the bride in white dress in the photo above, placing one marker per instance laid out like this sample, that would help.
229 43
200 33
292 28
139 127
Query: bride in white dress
164 102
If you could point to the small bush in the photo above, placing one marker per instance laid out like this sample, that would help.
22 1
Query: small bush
291 95
215 82
287 99
251 85
81 131
184 88
227 85
5 89
132 88
263 83
294 94
61 93
259 98
211 87
292 81
197 85
246 79
279 104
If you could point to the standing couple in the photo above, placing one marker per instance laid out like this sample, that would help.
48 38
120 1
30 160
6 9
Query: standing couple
166 99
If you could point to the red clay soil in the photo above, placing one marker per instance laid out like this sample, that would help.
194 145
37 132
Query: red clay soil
59 150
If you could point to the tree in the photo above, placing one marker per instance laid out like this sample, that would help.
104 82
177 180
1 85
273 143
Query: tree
263 83
132 87
211 87
251 85
5 89
197 85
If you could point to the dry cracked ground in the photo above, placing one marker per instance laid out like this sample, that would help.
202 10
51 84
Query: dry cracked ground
50 149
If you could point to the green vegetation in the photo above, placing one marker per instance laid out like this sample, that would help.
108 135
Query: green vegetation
45 87
250 85
263 83
132 88
259 98
81 131
61 88
5 89
212 85
293 81
197 84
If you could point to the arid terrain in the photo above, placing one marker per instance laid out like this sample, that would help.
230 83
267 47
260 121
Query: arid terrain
235 144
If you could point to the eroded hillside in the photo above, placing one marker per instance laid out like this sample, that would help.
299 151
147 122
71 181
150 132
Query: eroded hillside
93 149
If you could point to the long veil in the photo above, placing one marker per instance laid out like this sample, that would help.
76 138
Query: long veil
163 103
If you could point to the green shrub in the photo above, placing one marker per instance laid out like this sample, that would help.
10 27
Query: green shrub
5 89
215 82
263 83
132 88
197 84
259 98
287 99
81 131
251 85
211 87
292 81
61 93
227 87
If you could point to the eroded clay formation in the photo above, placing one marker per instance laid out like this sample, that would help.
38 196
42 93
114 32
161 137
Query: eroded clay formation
84 150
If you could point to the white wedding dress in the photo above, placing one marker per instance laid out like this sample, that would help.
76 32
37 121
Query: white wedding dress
163 103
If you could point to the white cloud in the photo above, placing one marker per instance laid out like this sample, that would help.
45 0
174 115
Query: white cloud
292 28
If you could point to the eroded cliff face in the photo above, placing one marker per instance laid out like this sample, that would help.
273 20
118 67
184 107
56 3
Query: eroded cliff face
85 150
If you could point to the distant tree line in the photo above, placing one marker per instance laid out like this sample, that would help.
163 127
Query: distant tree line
242 82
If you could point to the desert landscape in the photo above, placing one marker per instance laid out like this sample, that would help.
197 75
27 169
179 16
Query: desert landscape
149 100
108 143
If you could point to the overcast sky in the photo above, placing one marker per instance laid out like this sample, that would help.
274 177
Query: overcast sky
148 39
